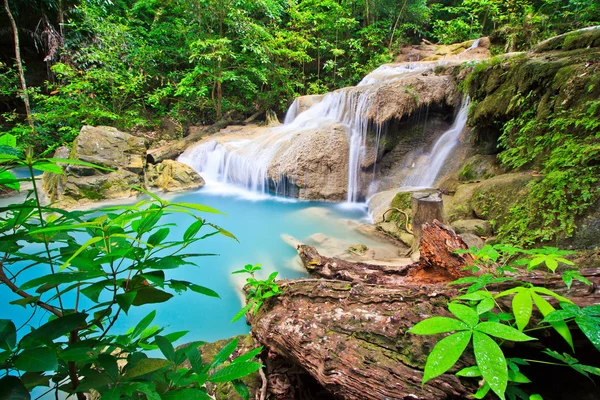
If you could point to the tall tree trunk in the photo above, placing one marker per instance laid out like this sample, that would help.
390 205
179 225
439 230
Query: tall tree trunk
24 95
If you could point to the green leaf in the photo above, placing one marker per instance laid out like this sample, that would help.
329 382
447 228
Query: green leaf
195 359
114 393
12 388
560 327
8 140
124 300
435 325
157 237
93 291
522 306
192 230
469 372
84 246
8 334
150 295
241 389
590 327
485 305
502 331
518 377
248 356
36 360
78 162
60 278
242 312
464 313
145 366
234 371
536 397
9 180
197 207
224 354
203 290
32 380
549 292
165 347
51 330
445 354
48 167
24 302
186 394
109 364
491 362
143 324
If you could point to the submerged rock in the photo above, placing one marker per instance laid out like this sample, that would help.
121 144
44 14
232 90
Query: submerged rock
173 176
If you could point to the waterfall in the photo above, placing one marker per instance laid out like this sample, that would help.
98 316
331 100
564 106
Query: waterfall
246 161
428 168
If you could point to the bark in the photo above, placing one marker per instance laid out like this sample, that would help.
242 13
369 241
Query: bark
438 262
25 95
352 337
426 208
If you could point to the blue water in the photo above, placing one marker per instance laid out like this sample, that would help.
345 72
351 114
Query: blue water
258 221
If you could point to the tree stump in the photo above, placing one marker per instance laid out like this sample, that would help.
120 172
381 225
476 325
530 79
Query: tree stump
426 208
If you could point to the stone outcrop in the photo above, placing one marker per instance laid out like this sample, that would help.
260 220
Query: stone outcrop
122 157
173 176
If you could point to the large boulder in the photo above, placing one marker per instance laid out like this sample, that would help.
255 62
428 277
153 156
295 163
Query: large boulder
107 147
479 167
173 176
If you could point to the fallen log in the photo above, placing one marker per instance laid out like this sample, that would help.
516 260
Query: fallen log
352 337
437 264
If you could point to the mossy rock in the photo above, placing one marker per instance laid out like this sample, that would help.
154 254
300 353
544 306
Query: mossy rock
579 39
402 201
479 167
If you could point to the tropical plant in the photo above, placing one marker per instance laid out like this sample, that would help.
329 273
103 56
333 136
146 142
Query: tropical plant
77 273
484 319
257 290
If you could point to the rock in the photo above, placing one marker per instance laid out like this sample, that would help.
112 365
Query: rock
587 235
225 391
173 176
472 241
479 167
108 147
359 249
490 199
477 227
170 129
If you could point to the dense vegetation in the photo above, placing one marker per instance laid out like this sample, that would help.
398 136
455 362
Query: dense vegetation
129 63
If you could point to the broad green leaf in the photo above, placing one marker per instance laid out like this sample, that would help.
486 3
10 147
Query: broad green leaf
51 330
145 366
48 167
224 354
186 394
60 278
93 291
195 359
8 140
435 325
174 336
479 295
12 388
590 326
165 347
469 372
192 230
8 334
9 180
157 237
25 301
36 360
522 306
560 327
445 354
78 162
491 362
536 397
241 389
248 356
482 391
503 331
156 277
114 393
203 290
464 313
517 377
548 292
150 295
125 300
109 364
485 305
84 246
235 371
143 324
32 380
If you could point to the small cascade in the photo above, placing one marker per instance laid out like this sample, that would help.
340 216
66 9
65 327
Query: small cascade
428 167
248 161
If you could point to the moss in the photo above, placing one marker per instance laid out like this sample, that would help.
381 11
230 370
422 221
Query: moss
91 194
402 200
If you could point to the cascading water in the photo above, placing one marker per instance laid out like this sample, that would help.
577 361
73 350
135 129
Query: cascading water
247 161
427 168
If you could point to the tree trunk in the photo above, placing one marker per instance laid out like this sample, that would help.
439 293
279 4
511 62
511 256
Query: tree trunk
426 207
25 95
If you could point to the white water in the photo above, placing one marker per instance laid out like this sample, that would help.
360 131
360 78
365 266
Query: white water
427 168
246 162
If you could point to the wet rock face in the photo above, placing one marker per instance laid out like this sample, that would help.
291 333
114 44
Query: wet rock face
173 176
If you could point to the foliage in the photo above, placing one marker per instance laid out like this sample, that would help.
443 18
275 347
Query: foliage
257 291
481 318
77 272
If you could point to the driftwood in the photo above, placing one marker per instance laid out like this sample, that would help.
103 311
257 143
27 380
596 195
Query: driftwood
438 262
351 335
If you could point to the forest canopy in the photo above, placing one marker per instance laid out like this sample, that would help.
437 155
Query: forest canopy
133 63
